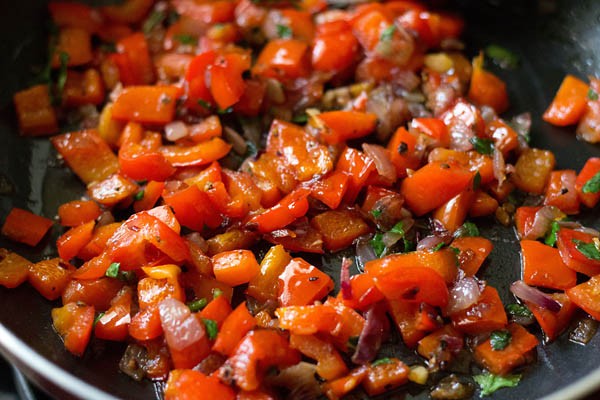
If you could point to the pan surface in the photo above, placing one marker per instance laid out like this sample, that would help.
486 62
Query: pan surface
550 42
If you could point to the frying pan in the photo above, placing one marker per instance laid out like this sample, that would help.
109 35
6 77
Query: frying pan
551 39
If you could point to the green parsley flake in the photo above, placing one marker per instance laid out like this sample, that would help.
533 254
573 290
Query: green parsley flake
139 195
467 229
382 361
593 185
518 310
437 247
398 229
284 32
62 76
482 145
502 57
388 33
476 181
592 95
489 383
376 213
300 119
216 292
211 328
113 270
154 20
500 339
98 317
205 104
587 249
550 239
377 244
187 40
197 305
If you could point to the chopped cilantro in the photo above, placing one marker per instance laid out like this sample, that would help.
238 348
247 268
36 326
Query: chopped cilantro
482 145
388 33
205 104
62 76
467 229
398 229
113 270
98 317
300 119
216 292
376 213
211 328
500 339
455 250
251 149
284 32
154 20
187 40
228 110
587 249
438 246
592 95
489 383
550 239
382 361
139 195
593 185
476 181
518 310
197 305
502 57
377 244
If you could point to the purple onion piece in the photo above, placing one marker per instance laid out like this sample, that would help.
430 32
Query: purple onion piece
345 279
537 297
364 253
463 294
373 334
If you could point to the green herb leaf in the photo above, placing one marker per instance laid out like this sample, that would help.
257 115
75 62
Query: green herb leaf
377 244
251 149
382 361
550 239
467 229
216 292
587 249
228 110
61 79
205 104
500 339
398 229
388 33
438 247
352 342
519 310
154 20
455 250
489 383
376 213
482 145
408 245
139 195
113 270
592 95
197 305
284 32
172 17
300 119
98 317
502 57
187 40
476 181
593 185
211 328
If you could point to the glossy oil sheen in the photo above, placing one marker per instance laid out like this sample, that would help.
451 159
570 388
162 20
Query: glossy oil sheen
548 46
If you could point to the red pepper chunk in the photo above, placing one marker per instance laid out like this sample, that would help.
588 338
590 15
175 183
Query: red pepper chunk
587 296
146 104
543 266
74 322
569 103
567 241
114 324
235 267
187 384
554 323
484 316
13 269
283 59
591 168
301 284
290 208
25 227
415 284
259 350
561 192
234 328
193 208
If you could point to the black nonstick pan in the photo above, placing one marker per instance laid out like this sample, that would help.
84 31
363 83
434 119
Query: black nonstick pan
550 38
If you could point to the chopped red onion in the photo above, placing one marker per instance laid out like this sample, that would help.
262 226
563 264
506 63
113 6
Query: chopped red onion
429 242
463 294
105 218
198 240
176 130
499 166
364 253
345 279
182 329
542 222
382 160
372 336
535 296
236 140
488 114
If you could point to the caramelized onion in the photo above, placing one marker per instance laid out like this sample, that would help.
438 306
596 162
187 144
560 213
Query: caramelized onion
345 279
372 336
364 253
382 160
542 222
463 294
176 130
